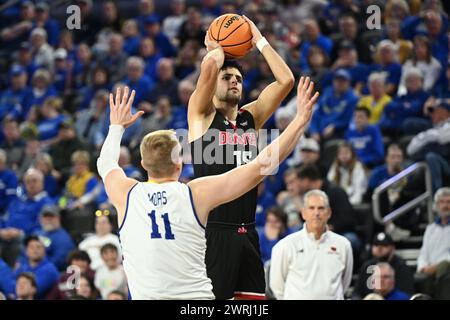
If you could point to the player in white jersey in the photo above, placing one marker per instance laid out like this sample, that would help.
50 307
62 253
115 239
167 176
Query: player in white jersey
162 221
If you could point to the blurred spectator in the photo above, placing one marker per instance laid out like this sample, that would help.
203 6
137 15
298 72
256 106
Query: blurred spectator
66 43
289 200
433 145
25 60
383 250
42 20
44 163
146 10
86 289
191 28
172 23
68 143
115 58
50 119
186 59
130 33
125 164
13 144
334 108
82 66
393 33
348 173
151 56
167 84
137 80
90 23
274 230
386 62
8 184
6 279
313 37
15 34
22 215
90 121
179 113
32 148
26 286
103 235
425 62
56 240
366 139
77 260
42 51
117 294
318 63
82 186
111 275
43 270
307 151
42 88
152 29
61 71
404 113
12 99
100 82
264 201
324 269
434 259
385 285
377 99
110 19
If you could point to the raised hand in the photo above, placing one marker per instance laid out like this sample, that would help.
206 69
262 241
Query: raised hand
121 108
255 31
305 102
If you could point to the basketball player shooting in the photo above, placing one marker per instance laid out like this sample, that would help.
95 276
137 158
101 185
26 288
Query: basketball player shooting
162 221
232 257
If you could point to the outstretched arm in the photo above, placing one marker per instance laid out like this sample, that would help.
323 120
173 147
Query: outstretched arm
209 192
117 184
200 103
272 96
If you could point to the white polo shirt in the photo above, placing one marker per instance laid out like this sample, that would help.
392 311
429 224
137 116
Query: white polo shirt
303 268
436 245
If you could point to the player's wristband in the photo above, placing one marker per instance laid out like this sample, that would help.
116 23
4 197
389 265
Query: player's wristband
261 43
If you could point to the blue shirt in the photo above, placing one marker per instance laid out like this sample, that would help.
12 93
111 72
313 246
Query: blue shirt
150 66
49 128
264 202
32 100
58 244
12 102
52 28
401 108
322 41
131 45
333 109
179 118
142 87
8 188
393 70
6 279
397 295
23 212
368 144
45 273
378 176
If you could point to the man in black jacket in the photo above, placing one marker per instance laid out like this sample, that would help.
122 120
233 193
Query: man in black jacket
383 250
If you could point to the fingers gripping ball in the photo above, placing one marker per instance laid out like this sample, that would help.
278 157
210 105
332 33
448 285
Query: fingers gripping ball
233 33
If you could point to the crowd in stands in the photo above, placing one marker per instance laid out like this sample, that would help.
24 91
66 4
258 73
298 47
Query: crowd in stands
384 104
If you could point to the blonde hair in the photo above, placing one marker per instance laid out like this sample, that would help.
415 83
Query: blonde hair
160 151
81 156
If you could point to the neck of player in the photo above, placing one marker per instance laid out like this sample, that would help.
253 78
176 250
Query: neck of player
162 180
228 110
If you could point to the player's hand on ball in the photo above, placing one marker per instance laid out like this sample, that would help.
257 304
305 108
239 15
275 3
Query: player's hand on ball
210 44
121 108
305 100
255 31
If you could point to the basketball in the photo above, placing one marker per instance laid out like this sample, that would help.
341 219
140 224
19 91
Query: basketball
233 33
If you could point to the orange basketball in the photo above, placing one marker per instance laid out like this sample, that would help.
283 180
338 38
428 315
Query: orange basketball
233 33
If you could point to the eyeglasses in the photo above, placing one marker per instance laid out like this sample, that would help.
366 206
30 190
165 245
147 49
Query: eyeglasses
100 213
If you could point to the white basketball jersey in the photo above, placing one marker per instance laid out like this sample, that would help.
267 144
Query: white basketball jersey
164 244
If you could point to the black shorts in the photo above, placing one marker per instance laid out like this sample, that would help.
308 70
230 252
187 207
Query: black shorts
233 261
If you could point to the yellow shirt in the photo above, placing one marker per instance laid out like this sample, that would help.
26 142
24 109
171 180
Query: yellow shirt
76 185
376 108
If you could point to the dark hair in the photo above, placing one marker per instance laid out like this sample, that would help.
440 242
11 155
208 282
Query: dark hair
108 246
31 238
78 255
120 293
279 213
231 64
310 172
365 110
30 276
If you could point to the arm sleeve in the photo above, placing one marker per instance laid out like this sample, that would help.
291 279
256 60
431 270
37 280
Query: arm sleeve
109 155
